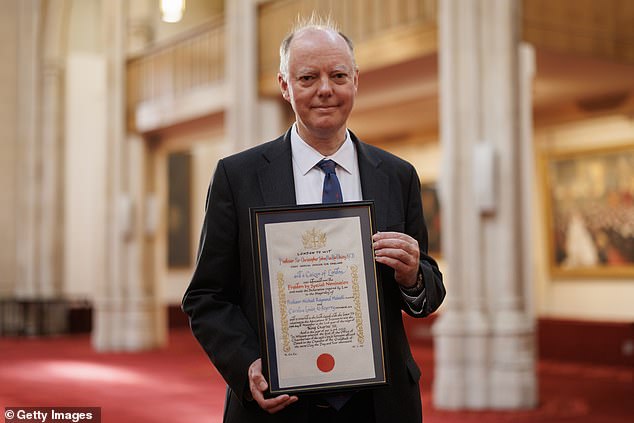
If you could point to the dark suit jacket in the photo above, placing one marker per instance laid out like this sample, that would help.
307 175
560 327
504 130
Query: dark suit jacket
221 298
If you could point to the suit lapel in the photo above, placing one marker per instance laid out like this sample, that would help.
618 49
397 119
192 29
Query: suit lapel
276 176
374 182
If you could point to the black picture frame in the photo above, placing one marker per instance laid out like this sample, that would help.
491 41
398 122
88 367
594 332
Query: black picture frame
321 324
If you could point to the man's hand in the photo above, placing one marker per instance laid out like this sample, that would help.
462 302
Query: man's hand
401 253
257 385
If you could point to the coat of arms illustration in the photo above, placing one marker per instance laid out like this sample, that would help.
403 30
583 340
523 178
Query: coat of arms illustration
314 239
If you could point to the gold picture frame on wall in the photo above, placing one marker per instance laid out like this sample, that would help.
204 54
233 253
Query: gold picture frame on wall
589 205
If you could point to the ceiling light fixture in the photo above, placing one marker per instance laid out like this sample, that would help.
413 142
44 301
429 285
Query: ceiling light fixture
172 10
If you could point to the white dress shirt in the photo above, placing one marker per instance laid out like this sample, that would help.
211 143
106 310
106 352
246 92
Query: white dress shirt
309 179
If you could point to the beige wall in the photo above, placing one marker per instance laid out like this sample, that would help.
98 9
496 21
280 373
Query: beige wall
588 298
8 145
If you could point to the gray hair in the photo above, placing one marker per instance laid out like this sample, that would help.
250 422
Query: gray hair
313 22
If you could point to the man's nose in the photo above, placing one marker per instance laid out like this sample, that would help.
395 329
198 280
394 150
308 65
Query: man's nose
325 86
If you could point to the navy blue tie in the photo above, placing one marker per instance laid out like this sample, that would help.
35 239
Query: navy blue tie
332 194
332 190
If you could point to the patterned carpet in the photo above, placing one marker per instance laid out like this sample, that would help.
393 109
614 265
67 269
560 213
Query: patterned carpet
179 384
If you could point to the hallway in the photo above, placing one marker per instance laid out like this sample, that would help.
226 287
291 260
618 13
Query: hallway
178 384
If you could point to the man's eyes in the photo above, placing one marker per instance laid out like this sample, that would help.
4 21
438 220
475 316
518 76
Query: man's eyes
337 76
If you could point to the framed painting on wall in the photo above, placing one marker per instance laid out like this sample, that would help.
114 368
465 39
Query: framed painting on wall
589 199
179 245
431 211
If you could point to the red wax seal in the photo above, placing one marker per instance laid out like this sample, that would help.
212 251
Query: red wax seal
325 362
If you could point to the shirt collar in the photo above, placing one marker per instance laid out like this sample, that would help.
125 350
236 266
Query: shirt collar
306 157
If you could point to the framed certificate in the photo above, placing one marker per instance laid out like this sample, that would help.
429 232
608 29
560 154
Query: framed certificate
319 297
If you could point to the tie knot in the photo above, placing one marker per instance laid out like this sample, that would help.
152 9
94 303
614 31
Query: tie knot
327 165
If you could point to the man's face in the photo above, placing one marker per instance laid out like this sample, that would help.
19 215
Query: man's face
321 83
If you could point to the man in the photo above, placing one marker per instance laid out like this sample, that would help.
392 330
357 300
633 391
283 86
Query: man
319 78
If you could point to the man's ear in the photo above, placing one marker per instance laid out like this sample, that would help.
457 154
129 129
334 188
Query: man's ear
283 87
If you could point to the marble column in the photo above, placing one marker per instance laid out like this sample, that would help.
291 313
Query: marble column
39 288
251 119
241 73
29 22
145 314
8 149
485 334
52 187
128 314
108 313
49 155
